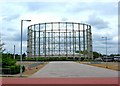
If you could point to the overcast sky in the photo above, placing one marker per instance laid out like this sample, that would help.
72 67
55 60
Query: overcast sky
102 16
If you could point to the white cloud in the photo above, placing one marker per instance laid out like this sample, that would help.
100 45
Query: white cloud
60 1
103 14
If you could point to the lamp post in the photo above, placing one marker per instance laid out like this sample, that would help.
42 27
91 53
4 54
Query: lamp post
106 50
14 51
21 46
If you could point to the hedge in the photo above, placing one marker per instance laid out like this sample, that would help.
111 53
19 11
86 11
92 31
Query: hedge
14 69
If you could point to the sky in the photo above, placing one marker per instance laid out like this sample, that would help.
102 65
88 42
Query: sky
102 16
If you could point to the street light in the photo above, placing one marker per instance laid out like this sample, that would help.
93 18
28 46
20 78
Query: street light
14 51
106 50
21 46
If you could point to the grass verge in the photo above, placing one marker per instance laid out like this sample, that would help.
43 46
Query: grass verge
108 65
28 71
31 71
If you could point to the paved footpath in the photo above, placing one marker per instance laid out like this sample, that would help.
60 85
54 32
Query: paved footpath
72 70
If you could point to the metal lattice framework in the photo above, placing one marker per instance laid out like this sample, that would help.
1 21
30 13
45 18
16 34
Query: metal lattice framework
59 39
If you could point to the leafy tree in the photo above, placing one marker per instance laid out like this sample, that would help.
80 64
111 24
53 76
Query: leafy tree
115 55
17 56
8 62
77 51
82 52
23 55
96 55
9 65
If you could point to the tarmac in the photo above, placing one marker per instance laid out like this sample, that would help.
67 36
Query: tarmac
69 69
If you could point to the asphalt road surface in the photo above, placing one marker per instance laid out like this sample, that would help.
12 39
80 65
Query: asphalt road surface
72 70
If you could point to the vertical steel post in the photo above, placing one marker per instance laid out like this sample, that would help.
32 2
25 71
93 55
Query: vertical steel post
90 42
59 37
43 44
73 39
49 43
79 42
54 44
52 37
106 51
14 51
28 42
39 41
31 43
84 52
66 42
87 42
21 49
70 41
34 42
45 39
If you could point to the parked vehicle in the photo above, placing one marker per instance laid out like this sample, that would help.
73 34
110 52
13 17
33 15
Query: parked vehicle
99 59
117 58
108 59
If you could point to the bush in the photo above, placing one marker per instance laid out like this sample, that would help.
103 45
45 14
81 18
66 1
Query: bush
9 65
14 69
76 58
82 58
29 59
23 68
88 59
8 62
54 59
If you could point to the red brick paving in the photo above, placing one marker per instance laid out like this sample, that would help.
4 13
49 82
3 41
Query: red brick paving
60 80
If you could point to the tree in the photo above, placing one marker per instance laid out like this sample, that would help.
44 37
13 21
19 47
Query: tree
23 55
17 56
9 65
114 54
96 55
77 51
7 61
82 52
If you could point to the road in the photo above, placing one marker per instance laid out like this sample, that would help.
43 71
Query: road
72 70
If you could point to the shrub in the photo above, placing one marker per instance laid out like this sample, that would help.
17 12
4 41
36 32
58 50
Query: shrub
8 62
9 66
82 58
63 59
23 68
14 69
